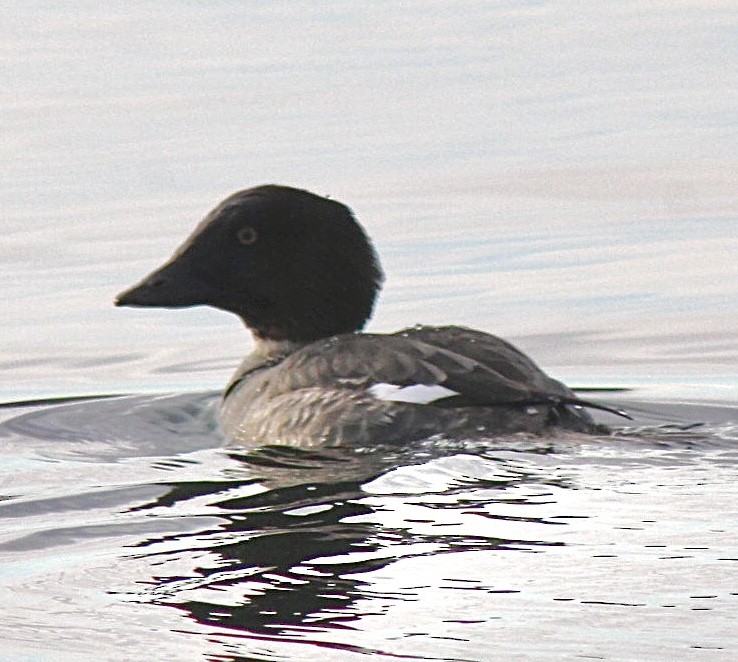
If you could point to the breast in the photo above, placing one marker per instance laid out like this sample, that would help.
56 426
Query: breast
252 414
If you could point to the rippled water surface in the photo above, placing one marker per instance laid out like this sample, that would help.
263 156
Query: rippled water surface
127 527
559 174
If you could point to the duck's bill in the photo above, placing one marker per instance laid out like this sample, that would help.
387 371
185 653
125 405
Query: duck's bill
171 286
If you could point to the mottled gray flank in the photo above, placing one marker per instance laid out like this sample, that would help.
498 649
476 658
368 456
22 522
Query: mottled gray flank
321 393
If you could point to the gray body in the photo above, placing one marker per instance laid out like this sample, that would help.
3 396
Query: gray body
322 392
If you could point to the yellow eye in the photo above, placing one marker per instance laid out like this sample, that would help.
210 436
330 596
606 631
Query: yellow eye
247 235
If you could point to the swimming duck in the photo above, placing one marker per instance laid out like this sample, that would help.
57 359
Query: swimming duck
303 276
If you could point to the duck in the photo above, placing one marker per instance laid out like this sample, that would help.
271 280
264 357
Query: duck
303 276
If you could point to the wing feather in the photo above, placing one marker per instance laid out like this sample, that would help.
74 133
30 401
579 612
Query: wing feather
480 367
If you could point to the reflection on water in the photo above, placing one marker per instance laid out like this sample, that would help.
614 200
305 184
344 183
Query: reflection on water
280 552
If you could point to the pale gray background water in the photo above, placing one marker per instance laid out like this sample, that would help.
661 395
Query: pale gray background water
562 174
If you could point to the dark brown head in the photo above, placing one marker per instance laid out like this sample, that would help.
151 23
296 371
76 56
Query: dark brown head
292 265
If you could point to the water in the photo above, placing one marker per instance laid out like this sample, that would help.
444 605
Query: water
562 176
128 529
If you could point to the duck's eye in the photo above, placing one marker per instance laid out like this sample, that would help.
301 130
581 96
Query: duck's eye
247 235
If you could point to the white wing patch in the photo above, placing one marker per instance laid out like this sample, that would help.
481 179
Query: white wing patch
419 394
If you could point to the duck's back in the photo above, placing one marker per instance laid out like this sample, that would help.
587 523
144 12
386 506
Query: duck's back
356 388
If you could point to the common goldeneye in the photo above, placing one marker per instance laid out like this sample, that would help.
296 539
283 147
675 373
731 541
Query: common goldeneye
303 276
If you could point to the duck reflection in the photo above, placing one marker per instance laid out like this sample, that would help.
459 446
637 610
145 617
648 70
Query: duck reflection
263 563
293 541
